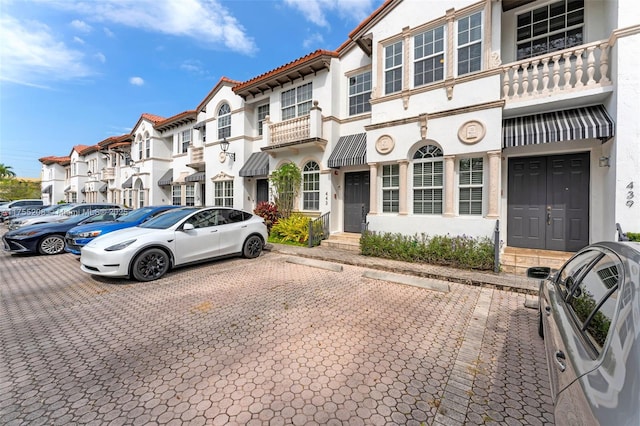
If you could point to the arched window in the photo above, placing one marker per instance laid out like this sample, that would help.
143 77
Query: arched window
224 121
147 145
311 186
428 177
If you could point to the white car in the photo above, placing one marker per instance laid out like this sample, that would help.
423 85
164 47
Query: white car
174 238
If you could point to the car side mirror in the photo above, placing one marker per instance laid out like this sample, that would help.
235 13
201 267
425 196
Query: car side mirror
188 227
539 272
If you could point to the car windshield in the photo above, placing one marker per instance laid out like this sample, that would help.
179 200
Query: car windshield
52 209
135 215
168 219
64 209
78 218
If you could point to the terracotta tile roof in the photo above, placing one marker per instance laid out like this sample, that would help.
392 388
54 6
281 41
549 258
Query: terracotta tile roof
371 17
176 117
90 149
220 83
78 148
152 117
52 159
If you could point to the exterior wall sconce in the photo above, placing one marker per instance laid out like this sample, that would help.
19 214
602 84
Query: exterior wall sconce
603 161
224 146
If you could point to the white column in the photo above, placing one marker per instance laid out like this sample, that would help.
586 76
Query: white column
449 179
493 197
403 187
373 188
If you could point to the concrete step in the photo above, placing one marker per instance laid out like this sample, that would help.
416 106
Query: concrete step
343 241
515 260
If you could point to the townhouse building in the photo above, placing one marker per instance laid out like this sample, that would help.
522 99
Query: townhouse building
462 117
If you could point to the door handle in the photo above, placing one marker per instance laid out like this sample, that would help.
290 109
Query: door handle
548 215
561 360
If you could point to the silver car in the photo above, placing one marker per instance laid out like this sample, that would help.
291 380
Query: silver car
589 316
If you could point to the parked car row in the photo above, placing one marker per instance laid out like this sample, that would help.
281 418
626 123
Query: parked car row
9 207
142 244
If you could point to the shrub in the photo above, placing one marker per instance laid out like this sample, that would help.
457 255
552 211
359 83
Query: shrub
294 229
267 211
458 251
633 236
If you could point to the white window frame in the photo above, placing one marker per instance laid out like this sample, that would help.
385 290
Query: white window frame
428 181
224 121
223 193
261 115
430 48
185 136
470 184
390 188
176 195
140 150
190 195
360 86
393 63
467 39
147 147
311 186
296 102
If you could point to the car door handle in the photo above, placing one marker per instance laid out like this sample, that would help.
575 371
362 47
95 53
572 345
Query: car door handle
213 230
547 310
560 360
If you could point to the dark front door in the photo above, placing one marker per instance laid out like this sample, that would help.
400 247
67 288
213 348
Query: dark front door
548 204
356 200
262 190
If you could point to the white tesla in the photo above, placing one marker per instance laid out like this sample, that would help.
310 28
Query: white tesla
178 237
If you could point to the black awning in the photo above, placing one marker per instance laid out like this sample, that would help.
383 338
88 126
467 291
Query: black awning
256 165
166 178
350 151
103 188
46 189
199 125
128 183
196 177
571 124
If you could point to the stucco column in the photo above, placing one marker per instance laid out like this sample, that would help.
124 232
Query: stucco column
404 164
449 180
373 188
493 197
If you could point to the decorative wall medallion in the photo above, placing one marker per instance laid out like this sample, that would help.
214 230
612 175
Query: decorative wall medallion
384 144
471 132
222 156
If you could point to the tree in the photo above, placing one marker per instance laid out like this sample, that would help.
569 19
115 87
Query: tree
6 172
286 183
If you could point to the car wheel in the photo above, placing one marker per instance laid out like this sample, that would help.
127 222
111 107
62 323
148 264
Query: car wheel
540 328
150 265
51 244
252 247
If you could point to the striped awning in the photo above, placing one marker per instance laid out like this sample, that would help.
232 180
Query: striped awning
67 189
128 183
103 188
199 125
350 151
571 124
83 190
196 177
166 178
256 165
46 189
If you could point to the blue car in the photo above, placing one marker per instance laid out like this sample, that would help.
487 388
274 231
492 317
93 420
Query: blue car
48 238
79 236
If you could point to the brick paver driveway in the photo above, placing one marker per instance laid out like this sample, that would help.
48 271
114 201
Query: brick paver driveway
261 341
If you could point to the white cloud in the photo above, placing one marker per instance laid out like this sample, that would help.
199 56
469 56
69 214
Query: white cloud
78 40
313 40
31 54
316 10
100 57
81 26
206 21
108 32
192 66
136 81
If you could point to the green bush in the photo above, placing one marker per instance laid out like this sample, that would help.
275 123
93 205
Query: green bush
294 229
458 251
633 236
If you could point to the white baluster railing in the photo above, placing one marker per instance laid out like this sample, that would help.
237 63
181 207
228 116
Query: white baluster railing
578 68
291 130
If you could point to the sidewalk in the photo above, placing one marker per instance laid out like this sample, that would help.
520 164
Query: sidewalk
501 281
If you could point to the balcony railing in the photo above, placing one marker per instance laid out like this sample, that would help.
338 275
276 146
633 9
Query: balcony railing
108 173
574 69
291 130
196 154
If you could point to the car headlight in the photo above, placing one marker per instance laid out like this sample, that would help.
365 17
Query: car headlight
25 234
120 246
90 234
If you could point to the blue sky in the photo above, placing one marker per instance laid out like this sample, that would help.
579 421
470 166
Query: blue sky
77 72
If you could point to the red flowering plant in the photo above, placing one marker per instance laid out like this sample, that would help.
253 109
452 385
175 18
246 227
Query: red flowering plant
269 212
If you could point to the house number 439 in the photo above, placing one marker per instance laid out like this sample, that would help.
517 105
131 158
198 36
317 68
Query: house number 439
630 194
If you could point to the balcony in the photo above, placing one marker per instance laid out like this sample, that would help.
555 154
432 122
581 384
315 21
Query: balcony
108 173
296 132
575 72
196 156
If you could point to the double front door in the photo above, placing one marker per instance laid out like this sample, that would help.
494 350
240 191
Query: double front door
548 202
356 200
